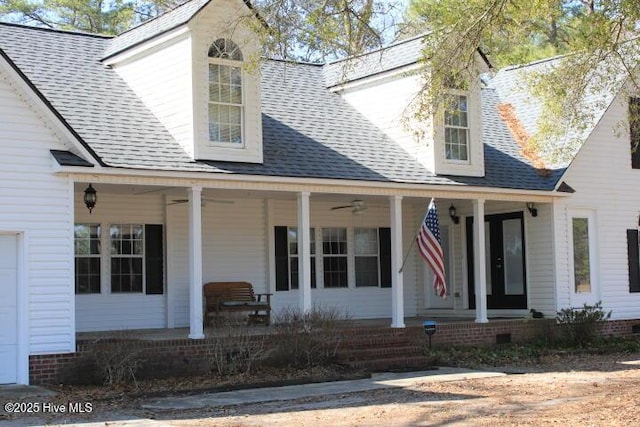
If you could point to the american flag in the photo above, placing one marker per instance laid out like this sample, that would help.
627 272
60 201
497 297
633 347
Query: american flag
430 248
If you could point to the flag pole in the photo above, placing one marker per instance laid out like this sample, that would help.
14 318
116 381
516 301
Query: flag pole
413 241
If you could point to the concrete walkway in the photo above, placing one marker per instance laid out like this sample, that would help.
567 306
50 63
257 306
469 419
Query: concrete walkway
271 394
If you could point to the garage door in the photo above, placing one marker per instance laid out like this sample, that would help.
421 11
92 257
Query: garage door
8 309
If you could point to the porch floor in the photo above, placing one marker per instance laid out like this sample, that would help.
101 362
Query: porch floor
212 331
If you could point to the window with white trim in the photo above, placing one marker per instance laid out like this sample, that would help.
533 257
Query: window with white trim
581 257
127 255
86 242
292 234
334 257
367 257
226 105
456 128
133 258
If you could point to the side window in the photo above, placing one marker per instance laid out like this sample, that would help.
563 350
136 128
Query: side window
226 106
87 250
634 131
581 248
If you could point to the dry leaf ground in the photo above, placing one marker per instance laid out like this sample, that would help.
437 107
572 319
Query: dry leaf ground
567 390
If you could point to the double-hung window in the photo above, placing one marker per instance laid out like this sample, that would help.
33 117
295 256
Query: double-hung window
370 258
127 255
456 128
287 257
226 107
132 256
334 257
367 257
87 258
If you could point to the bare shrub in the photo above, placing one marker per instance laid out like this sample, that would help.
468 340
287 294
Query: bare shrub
235 350
307 339
117 359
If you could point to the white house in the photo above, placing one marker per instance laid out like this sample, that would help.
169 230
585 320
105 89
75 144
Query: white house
208 167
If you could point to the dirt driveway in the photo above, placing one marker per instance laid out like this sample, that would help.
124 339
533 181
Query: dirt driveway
599 392
570 391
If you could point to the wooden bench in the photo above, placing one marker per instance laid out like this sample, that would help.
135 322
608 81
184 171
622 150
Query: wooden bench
221 297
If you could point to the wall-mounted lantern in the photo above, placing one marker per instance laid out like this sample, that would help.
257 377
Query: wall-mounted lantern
90 198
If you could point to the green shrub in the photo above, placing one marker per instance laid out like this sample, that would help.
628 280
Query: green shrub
581 327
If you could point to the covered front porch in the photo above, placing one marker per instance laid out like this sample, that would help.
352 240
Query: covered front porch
347 257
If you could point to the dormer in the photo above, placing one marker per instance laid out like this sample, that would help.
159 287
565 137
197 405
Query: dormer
195 68
383 86
457 134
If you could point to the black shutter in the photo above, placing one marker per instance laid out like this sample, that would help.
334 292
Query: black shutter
634 260
384 240
154 259
634 131
282 259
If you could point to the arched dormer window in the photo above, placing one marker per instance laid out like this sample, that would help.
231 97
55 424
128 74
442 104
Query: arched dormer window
226 107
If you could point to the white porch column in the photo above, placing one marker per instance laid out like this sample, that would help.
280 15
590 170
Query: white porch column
480 266
196 321
397 286
304 252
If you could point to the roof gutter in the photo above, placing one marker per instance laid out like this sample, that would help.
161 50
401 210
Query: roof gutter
289 184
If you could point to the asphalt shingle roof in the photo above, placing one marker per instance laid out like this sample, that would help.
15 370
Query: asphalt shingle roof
512 86
308 131
154 27
395 56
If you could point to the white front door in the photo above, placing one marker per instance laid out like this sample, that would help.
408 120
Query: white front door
8 309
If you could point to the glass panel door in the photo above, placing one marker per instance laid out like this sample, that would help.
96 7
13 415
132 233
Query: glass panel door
513 257
505 261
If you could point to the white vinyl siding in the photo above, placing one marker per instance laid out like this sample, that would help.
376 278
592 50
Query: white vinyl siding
392 115
234 249
116 311
605 184
364 302
162 78
37 203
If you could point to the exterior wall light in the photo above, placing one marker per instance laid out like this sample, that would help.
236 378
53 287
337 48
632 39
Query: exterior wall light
532 210
452 213
90 198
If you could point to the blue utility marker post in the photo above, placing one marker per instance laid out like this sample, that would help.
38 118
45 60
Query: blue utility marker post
429 329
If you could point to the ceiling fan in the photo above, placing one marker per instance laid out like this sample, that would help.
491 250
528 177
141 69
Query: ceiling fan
204 201
357 207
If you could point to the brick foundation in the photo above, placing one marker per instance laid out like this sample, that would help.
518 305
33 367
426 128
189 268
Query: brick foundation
185 357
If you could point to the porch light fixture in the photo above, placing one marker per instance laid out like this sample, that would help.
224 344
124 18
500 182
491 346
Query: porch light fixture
90 198
532 210
452 213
